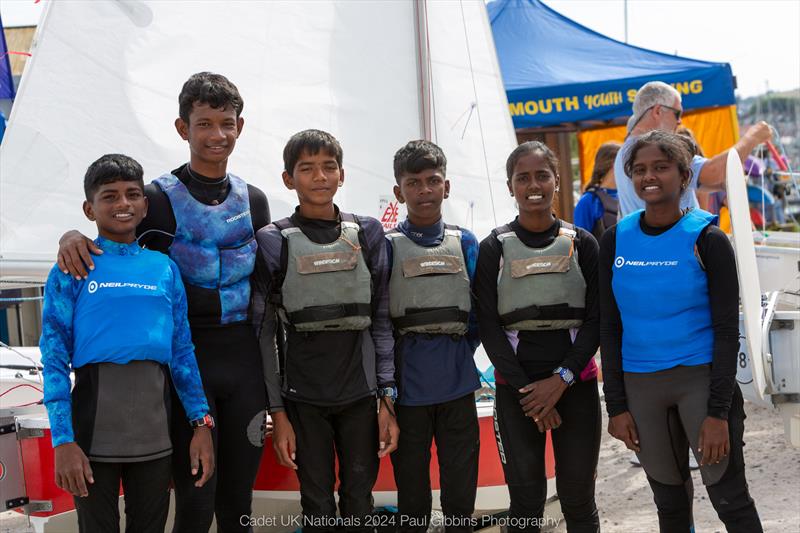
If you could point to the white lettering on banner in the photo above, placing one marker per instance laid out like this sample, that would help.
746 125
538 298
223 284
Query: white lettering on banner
432 264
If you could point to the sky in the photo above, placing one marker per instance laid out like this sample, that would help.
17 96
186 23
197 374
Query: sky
759 38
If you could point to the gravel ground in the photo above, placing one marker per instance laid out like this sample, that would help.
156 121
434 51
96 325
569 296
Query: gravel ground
626 503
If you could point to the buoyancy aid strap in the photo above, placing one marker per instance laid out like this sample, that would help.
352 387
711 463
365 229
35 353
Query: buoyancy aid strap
543 312
322 313
425 317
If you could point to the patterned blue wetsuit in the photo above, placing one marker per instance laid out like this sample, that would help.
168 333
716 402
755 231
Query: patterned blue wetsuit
131 308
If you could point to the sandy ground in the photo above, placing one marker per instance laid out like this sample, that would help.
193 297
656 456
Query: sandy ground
625 501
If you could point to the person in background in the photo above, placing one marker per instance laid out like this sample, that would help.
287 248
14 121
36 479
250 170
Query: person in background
657 106
598 208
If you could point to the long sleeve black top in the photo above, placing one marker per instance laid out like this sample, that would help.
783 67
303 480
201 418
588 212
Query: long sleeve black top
716 256
538 352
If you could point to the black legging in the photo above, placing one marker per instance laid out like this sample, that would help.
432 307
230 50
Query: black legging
233 379
576 445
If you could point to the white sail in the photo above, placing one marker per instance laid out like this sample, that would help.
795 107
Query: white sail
350 68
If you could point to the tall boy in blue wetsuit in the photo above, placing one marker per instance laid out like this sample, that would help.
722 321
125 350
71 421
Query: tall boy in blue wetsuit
322 276
118 330
205 219
430 302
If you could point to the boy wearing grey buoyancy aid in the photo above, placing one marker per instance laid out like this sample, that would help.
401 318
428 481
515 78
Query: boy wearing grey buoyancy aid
430 301
321 314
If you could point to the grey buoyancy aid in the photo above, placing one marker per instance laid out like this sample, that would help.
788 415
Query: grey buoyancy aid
214 246
326 287
429 290
540 288
610 211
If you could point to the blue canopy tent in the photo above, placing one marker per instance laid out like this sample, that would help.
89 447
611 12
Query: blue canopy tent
556 71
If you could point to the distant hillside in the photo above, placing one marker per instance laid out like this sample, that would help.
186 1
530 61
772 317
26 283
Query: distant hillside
781 110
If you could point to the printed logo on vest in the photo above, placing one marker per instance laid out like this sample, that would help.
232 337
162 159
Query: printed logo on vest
327 262
620 261
94 286
539 265
234 218
425 264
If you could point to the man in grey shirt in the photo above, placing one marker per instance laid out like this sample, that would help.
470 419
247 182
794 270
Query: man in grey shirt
657 106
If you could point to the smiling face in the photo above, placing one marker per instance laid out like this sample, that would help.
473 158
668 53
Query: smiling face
211 133
423 193
315 178
117 208
656 178
533 184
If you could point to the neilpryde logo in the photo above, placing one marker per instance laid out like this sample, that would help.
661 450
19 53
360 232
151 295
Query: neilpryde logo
93 286
620 261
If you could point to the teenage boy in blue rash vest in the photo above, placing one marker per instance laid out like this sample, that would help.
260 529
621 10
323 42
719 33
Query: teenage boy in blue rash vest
430 303
205 219
322 278
118 330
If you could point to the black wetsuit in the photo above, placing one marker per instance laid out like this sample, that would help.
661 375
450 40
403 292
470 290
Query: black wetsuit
230 365
687 394
576 443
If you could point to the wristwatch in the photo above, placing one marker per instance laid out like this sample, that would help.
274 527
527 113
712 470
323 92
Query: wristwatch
566 375
388 392
207 421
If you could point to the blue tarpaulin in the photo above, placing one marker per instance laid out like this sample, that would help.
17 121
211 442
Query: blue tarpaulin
6 81
556 71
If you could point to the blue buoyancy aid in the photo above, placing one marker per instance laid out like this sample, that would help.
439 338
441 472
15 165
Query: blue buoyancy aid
214 246
123 311
661 291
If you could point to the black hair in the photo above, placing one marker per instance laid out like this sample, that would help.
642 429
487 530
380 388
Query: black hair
208 88
603 162
417 156
531 147
310 142
695 147
674 147
111 168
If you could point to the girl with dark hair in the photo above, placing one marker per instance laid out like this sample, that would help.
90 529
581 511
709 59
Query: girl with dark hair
669 336
598 208
536 288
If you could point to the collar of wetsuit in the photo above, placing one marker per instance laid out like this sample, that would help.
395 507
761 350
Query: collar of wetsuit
117 248
423 235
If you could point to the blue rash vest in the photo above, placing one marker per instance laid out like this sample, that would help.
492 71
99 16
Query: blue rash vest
132 308
660 330
215 248
435 369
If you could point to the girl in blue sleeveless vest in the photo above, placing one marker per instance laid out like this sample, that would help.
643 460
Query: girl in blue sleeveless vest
669 336
538 317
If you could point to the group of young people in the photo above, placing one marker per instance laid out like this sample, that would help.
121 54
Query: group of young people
190 301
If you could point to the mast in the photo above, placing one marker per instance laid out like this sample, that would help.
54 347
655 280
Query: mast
424 69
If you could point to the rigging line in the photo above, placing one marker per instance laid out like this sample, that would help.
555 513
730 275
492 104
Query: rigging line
36 365
478 111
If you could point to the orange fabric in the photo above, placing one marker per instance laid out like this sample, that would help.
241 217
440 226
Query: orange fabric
716 130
